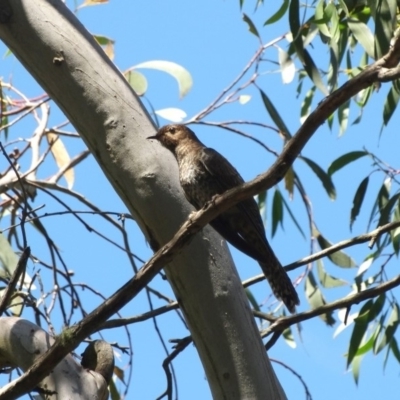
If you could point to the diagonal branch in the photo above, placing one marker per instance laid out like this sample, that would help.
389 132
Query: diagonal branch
282 323
365 237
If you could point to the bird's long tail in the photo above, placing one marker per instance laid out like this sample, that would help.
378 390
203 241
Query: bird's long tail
280 283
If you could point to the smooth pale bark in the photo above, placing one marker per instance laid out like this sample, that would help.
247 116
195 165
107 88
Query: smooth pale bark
65 59
21 342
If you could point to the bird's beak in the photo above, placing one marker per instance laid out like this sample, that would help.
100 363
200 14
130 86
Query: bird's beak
152 137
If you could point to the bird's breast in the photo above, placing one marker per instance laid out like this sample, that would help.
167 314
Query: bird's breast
195 182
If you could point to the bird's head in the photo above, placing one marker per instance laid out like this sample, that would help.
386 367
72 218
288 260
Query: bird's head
170 136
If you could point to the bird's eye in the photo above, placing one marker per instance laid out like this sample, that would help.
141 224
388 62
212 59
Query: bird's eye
172 130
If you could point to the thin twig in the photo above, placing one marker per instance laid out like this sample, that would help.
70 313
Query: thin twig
19 270
297 375
24 207
282 323
366 237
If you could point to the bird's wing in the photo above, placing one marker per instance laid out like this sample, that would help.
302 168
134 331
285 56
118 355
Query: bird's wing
223 172
226 177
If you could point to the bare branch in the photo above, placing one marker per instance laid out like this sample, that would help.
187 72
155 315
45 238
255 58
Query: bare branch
282 323
19 270
366 237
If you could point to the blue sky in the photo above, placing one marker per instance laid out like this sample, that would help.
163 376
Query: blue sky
212 42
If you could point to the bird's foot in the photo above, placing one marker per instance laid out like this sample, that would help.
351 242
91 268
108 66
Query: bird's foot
211 202
192 215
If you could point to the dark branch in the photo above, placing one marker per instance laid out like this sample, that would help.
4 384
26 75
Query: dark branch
282 323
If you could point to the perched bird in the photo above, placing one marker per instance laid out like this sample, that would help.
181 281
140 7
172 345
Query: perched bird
204 173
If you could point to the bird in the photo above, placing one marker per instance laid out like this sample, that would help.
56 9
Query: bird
205 173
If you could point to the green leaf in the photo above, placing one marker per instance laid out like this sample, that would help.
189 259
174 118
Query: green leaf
289 338
342 43
273 113
363 35
323 177
252 299
103 40
384 24
366 264
343 5
395 234
390 105
107 45
137 81
339 258
279 14
294 21
252 27
385 203
377 307
333 66
344 160
289 181
365 317
387 210
8 258
363 97
298 226
391 328
305 109
383 195
358 200
262 204
334 20
330 121
15 305
343 117
277 211
181 75
8 53
114 394
380 203
328 281
369 344
320 20
356 368
312 71
316 299
359 330
395 349
4 117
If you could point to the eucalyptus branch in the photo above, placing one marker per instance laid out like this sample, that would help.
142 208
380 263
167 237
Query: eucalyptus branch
297 375
28 111
181 345
366 237
75 161
25 196
116 323
227 126
282 323
216 103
